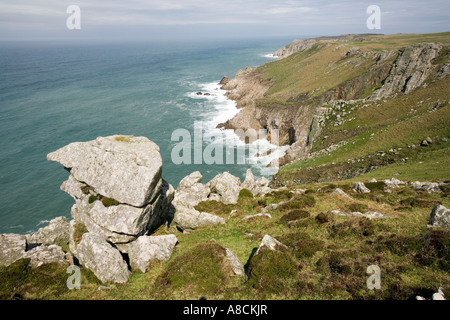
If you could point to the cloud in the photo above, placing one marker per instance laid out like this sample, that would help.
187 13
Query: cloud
260 16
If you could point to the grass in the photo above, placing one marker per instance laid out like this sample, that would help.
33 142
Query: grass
326 258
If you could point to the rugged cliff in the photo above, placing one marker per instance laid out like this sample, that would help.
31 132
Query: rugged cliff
296 94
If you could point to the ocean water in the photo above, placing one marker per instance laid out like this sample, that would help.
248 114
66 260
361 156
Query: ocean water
52 94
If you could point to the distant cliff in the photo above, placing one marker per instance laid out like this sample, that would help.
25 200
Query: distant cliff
295 94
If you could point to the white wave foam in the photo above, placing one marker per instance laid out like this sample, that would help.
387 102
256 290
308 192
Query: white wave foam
219 109
270 56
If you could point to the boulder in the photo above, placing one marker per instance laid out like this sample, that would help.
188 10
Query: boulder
190 197
12 248
256 216
341 193
125 168
440 217
394 183
236 265
45 254
429 187
191 219
270 243
105 261
359 187
57 232
190 180
227 186
149 248
249 182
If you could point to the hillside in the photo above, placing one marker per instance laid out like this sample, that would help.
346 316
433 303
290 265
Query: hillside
364 186
337 100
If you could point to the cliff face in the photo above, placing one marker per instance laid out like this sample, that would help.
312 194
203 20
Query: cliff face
293 94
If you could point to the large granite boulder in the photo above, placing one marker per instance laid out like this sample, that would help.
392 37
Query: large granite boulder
440 217
105 261
150 248
125 168
12 248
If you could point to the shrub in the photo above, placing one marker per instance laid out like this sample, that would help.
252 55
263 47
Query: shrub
272 272
295 215
324 217
302 245
92 199
357 207
203 270
358 226
375 186
108 202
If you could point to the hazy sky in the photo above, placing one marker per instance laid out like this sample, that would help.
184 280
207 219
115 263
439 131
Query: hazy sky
169 19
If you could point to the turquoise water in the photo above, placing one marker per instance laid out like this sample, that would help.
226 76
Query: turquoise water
52 94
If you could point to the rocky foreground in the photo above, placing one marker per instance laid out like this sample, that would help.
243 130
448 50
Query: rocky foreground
121 199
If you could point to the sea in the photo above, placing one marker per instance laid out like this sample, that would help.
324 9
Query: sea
55 93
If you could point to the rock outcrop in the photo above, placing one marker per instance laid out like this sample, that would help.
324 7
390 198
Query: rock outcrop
117 186
411 68
120 198
360 187
57 232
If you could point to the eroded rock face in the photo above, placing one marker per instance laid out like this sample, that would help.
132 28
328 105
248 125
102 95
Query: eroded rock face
440 217
127 169
411 68
149 248
105 261
12 248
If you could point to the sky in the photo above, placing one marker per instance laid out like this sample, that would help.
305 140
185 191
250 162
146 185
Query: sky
196 19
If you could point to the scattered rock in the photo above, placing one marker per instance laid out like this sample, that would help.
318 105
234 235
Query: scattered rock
105 261
370 214
270 243
191 219
148 248
259 215
236 265
394 183
359 187
440 217
429 187
342 193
